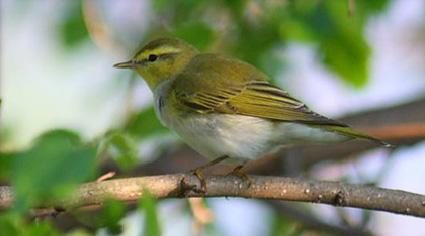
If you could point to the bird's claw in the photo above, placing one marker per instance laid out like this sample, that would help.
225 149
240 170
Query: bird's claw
185 188
241 175
198 172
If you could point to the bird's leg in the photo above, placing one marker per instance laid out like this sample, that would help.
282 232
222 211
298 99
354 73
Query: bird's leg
198 172
237 171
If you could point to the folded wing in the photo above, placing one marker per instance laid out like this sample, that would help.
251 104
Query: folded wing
258 99
246 91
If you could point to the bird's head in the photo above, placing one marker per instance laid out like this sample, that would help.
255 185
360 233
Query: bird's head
160 60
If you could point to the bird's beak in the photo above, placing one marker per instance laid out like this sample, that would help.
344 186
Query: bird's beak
125 65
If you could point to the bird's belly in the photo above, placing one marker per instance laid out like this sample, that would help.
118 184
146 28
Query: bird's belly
215 135
237 136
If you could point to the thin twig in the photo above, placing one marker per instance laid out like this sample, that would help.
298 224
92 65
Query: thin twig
262 187
106 176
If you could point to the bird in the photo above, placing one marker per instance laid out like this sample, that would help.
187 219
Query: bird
225 108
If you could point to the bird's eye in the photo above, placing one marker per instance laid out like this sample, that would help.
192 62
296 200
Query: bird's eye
152 57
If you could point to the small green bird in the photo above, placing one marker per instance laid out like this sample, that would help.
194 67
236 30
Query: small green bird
223 107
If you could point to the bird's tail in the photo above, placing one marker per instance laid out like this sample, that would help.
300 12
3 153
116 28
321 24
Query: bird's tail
349 132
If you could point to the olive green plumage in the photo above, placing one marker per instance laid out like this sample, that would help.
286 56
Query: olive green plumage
217 90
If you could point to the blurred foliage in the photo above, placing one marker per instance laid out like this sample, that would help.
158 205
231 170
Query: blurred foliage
56 163
121 148
252 30
286 227
255 31
12 224
144 124
147 205
112 212
72 30
198 33
6 160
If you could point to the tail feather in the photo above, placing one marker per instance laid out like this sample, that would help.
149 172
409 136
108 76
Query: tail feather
347 131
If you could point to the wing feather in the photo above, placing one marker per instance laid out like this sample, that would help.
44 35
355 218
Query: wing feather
258 99
245 91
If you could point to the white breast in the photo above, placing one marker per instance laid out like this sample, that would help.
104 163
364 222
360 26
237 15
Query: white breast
215 135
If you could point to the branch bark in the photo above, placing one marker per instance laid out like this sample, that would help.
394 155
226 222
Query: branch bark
262 187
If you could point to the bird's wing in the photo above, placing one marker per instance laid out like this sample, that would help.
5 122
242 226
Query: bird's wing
258 99
245 91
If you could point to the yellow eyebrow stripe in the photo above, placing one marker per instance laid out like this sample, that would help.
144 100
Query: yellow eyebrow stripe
162 50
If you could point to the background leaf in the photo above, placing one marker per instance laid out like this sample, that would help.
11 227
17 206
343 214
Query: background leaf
72 29
12 224
147 205
112 212
53 167
145 124
196 33
122 149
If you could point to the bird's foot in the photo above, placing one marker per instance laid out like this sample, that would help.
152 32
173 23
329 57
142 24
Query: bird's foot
237 171
185 188
198 172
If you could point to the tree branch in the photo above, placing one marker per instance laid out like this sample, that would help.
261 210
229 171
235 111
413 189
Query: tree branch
278 188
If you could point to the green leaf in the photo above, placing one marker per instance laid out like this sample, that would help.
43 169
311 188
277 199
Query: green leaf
41 228
339 37
236 6
366 8
52 168
347 58
292 29
148 206
345 49
122 149
253 49
159 5
6 161
196 33
145 124
112 212
72 30
78 232
13 224
285 227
